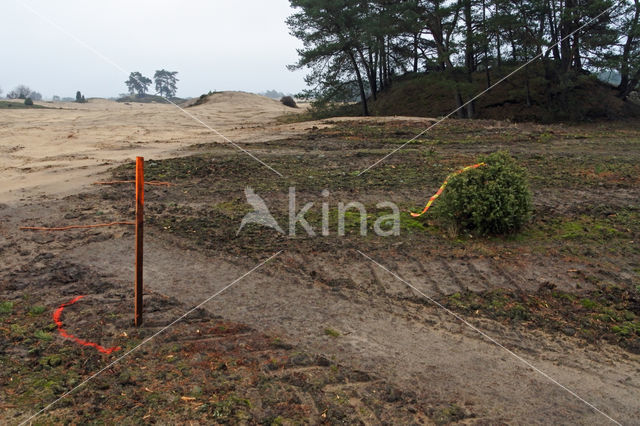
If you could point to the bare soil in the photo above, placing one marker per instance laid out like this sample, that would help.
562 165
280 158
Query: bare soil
321 334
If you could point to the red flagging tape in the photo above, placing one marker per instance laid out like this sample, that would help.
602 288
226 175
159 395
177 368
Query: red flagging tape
56 317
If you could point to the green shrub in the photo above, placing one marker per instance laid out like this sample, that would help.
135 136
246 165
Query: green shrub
28 102
492 199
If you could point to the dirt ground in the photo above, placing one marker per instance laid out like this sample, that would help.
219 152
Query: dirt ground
320 334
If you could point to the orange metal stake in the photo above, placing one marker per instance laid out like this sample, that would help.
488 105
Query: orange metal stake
139 238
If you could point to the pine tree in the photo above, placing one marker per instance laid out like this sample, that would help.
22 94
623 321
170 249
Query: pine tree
628 60
137 83
331 31
165 82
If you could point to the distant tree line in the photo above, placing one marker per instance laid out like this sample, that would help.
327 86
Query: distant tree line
24 92
165 83
273 94
357 48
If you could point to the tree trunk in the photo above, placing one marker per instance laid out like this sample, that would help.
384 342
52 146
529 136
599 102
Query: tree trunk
415 53
370 77
514 48
566 28
363 95
383 83
459 102
387 77
553 29
373 77
575 53
631 84
469 52
527 86
486 69
498 44
469 48
626 82
486 43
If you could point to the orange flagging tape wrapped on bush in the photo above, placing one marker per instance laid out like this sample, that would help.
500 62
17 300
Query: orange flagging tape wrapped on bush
56 317
444 185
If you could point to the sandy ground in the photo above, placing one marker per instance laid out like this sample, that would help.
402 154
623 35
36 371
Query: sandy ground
59 151
53 153
48 152
417 347
424 350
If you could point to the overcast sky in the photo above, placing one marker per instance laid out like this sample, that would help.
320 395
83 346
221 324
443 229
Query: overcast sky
213 44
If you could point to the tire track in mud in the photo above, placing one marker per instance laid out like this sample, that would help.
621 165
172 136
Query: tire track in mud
413 273
509 280
477 275
435 277
450 272
379 285
427 276
466 272
394 288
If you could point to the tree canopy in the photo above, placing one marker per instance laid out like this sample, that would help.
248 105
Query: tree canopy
20 92
166 83
80 98
137 83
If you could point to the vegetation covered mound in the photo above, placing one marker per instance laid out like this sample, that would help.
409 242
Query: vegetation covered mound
18 105
522 97
147 99
449 52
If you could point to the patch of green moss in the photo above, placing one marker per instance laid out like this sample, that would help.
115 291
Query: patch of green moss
608 313
588 303
43 335
6 308
51 360
229 406
331 332
37 310
450 414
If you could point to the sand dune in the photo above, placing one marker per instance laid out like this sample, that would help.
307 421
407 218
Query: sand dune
58 151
